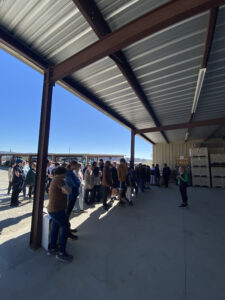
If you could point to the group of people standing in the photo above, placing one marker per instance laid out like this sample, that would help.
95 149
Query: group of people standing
70 185
92 184
96 182
21 176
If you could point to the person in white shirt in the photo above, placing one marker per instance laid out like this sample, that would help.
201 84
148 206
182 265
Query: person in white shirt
26 169
78 172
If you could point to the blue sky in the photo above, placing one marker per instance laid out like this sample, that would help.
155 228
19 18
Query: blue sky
75 125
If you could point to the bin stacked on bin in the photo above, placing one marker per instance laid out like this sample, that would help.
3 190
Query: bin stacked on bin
200 167
218 170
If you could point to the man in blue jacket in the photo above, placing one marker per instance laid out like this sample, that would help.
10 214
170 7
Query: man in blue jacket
74 183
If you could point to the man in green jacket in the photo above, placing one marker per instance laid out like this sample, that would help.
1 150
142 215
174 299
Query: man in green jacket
183 183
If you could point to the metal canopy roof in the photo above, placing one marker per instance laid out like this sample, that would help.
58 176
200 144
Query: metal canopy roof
165 64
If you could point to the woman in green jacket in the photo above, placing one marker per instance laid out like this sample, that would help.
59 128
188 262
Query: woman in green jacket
183 183
30 179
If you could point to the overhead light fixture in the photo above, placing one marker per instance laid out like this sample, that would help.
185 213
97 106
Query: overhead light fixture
201 76
186 136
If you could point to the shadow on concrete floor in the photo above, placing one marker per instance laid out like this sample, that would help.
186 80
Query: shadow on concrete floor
13 221
153 250
5 203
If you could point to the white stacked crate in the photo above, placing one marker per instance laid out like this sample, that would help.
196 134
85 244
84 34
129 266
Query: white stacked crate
218 150
218 170
200 167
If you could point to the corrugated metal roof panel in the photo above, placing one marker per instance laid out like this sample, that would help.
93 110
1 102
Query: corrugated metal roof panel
200 132
156 137
176 135
105 80
220 133
167 65
55 29
120 12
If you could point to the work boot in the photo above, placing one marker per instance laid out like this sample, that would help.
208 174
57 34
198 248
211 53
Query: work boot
64 257
183 205
72 236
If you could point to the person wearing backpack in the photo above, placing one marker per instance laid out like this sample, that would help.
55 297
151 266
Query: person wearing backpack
183 184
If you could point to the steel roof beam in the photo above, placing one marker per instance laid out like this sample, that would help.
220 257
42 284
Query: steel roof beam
16 45
95 19
154 21
183 125
210 35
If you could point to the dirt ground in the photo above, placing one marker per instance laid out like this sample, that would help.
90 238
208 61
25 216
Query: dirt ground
17 220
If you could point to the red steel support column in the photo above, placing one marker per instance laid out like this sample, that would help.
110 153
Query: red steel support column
132 147
37 215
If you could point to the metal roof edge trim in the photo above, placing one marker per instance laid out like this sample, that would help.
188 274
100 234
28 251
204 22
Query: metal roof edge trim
21 58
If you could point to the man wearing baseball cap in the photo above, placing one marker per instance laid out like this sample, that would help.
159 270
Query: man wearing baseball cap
17 182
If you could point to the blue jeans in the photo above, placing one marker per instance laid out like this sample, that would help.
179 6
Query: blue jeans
71 200
24 189
142 184
59 220
157 180
106 191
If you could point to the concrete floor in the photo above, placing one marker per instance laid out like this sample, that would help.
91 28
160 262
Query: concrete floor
153 250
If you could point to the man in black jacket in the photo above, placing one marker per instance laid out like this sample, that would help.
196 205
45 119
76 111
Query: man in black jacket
17 182
166 175
157 175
